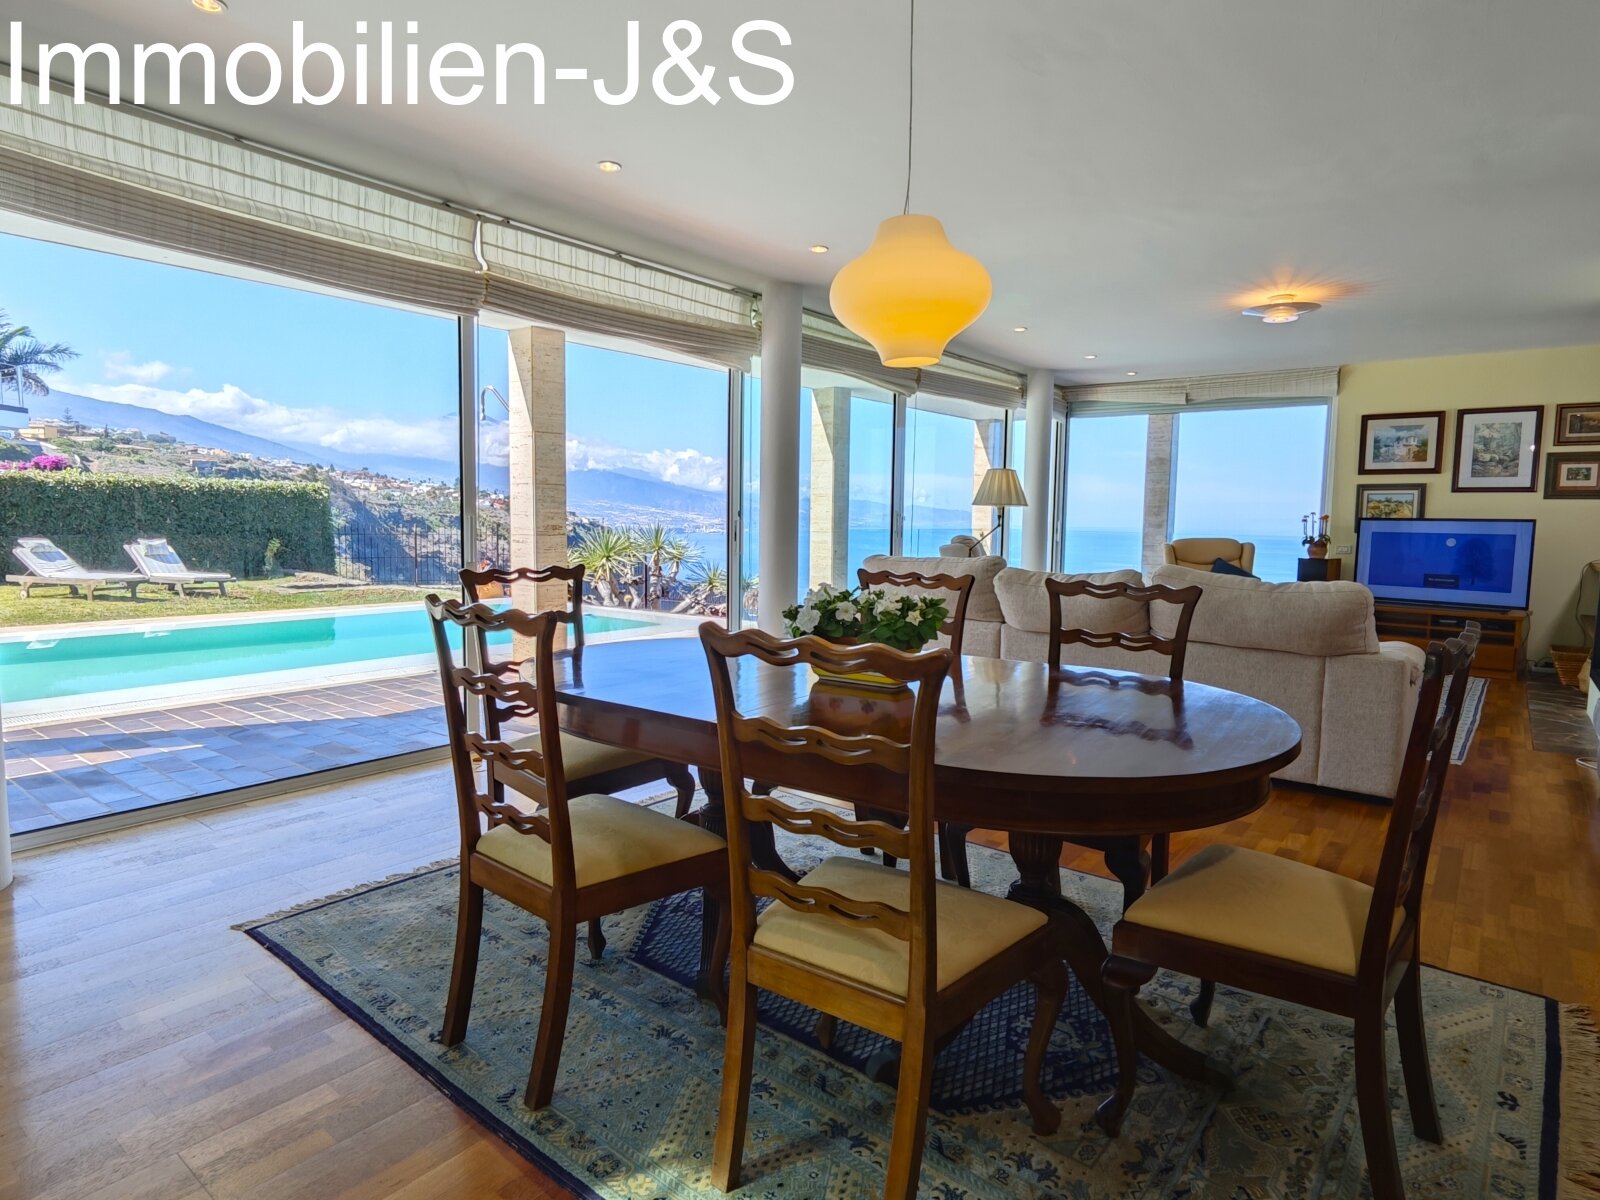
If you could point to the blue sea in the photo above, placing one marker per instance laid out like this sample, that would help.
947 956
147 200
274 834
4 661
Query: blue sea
1087 550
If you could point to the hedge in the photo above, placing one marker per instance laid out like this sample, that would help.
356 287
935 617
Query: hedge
215 524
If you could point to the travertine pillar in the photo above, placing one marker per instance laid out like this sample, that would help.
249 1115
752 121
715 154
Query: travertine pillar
830 488
1161 448
538 449
987 439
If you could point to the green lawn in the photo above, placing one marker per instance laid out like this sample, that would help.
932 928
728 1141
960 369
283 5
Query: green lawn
53 606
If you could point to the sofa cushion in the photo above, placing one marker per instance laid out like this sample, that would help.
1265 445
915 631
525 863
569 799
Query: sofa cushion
981 605
1026 604
1318 619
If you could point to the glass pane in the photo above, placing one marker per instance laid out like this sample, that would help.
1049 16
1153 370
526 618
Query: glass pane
303 447
645 484
1105 494
950 445
750 488
846 457
1248 475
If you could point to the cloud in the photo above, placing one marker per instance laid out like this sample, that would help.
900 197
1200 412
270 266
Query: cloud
234 408
690 468
122 367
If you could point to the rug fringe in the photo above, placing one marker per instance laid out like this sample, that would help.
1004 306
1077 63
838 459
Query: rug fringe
1580 1104
345 894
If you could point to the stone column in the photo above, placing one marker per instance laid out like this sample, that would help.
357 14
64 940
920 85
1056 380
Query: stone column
779 551
986 441
1161 449
830 488
1036 470
538 457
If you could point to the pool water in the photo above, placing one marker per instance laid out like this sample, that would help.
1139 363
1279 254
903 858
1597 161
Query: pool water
93 663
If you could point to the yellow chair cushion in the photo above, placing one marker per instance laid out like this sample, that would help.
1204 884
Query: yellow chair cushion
972 928
610 838
581 758
1264 904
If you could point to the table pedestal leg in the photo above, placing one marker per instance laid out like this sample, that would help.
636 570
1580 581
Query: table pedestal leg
1038 859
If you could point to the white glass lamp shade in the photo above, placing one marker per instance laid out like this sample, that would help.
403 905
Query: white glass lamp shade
911 293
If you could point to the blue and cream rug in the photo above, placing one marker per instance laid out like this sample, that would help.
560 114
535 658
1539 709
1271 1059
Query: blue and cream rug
636 1105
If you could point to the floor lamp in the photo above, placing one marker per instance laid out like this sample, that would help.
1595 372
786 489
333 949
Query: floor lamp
1000 489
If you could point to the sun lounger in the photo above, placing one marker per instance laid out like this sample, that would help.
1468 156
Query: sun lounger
49 565
159 563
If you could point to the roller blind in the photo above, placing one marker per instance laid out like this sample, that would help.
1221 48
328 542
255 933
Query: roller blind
128 173
1262 389
830 346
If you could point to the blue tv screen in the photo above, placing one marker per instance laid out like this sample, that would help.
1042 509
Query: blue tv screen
1483 564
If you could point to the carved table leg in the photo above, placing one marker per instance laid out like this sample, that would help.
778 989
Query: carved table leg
1038 859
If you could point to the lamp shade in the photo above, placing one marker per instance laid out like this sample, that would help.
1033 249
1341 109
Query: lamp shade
1000 489
911 292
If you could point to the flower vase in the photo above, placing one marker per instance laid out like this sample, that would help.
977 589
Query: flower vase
1317 550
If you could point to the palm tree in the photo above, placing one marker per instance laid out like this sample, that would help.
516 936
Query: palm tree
606 553
25 360
654 544
710 581
677 555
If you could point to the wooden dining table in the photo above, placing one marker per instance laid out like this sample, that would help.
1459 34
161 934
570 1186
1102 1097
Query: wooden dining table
1104 757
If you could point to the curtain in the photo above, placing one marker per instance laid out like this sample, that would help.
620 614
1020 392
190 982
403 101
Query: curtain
829 345
1262 389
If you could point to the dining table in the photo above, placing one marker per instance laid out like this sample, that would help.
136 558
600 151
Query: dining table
1105 758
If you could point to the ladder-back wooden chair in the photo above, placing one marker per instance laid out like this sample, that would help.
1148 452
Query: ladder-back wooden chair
893 951
1299 933
952 838
591 766
564 859
1175 649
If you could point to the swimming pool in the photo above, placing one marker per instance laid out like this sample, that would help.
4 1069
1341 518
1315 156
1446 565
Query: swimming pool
76 664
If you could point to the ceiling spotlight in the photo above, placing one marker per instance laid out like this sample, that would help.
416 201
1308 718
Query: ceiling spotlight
819 248
211 6
1281 309
609 167
1132 373
1019 329
1090 357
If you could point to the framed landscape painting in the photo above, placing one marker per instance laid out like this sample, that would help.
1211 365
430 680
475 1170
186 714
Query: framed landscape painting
1390 502
1573 477
1578 425
1402 443
1497 449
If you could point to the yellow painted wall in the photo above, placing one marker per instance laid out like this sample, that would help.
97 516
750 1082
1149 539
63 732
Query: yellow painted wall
1569 530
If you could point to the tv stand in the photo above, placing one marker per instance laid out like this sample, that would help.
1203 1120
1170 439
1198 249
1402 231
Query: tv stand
1502 649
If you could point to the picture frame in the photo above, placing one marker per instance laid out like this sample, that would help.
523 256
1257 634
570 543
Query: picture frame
1402 443
1573 476
1497 449
1578 424
1390 501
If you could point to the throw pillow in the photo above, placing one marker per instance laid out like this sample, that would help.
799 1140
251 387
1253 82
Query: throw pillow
1223 567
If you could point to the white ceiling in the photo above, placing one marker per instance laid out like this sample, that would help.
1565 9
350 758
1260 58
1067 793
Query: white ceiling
1132 173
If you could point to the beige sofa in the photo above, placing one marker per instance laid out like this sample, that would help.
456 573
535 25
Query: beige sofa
1311 649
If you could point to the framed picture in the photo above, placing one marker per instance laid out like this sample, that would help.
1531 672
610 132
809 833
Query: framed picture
1387 502
1402 443
1497 449
1578 425
1573 476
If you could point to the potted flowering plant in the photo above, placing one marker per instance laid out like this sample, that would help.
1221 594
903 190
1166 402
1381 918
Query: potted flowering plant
902 619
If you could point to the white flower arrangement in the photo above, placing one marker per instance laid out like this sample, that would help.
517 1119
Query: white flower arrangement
902 619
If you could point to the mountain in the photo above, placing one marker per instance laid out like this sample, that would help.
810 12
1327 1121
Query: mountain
599 491
100 413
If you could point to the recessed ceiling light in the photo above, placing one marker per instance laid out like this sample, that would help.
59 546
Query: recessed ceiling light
819 248
609 167
1091 357
1281 309
1019 329
1133 373
211 6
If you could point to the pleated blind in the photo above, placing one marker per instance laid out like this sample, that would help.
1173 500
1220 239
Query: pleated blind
829 345
1262 389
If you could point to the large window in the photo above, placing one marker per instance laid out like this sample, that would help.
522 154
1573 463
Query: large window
846 464
1249 474
950 445
1105 494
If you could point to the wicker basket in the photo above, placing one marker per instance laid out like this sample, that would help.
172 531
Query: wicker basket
1569 662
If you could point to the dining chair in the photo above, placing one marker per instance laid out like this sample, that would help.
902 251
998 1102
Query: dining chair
896 952
1308 936
1175 649
591 766
566 860
953 864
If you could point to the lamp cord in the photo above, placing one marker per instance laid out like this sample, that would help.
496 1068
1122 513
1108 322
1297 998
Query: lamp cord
911 106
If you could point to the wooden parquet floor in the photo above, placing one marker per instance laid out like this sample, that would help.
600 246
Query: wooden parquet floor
151 1053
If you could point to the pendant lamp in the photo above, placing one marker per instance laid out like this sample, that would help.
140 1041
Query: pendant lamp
912 292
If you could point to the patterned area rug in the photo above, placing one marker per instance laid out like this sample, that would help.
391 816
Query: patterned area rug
635 1108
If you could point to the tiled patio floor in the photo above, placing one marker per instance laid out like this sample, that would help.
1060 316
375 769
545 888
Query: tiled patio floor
62 773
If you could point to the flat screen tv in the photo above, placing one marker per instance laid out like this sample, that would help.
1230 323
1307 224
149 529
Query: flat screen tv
1478 564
